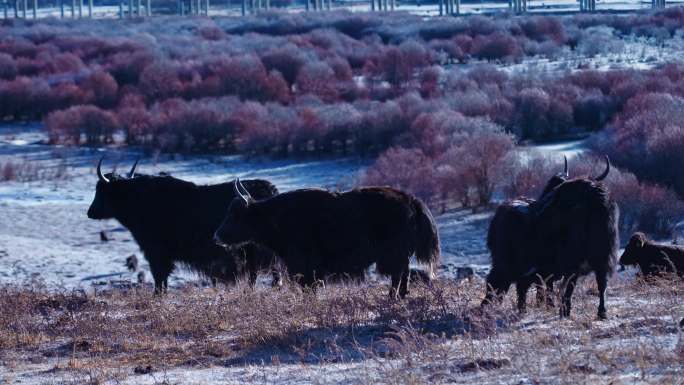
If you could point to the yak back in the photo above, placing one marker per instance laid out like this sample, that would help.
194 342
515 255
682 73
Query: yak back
508 237
654 257
576 229
338 231
170 213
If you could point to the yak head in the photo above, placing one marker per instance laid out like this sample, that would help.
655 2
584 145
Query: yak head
633 250
564 176
110 189
238 226
558 178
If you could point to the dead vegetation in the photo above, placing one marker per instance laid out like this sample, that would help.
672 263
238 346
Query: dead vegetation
26 170
437 335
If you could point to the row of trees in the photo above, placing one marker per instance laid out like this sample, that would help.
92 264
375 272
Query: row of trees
281 56
317 121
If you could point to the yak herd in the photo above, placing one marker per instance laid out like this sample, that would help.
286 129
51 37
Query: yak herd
240 228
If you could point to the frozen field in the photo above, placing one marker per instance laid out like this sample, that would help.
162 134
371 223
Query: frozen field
347 335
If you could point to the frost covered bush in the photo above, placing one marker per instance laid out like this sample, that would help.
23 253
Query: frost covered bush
382 70
643 206
647 138
456 160
87 125
497 46
8 67
599 40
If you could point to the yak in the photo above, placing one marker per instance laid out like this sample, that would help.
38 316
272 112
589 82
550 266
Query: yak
570 232
507 242
319 234
653 258
173 221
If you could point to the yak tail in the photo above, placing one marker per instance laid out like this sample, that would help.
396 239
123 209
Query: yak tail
427 237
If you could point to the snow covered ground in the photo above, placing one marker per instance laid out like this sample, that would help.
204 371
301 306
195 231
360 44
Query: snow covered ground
44 231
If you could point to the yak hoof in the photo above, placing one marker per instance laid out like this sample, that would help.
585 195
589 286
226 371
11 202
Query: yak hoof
564 312
602 315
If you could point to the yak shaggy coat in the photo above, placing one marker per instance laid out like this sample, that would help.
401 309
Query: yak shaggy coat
318 233
173 221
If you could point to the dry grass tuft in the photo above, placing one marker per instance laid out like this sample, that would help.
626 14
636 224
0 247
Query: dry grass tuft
438 334
28 171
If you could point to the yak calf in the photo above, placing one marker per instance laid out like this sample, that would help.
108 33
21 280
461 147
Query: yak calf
653 258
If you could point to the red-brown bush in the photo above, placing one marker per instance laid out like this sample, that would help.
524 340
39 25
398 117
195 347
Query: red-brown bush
457 160
497 46
8 67
77 125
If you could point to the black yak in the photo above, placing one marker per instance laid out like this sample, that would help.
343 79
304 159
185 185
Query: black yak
653 258
507 240
173 220
570 232
318 234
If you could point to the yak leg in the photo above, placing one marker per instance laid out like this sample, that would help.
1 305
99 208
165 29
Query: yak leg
160 272
403 285
568 287
549 292
394 285
602 283
496 288
521 287
399 285
277 280
308 280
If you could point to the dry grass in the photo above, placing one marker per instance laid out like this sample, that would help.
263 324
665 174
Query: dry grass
25 170
437 335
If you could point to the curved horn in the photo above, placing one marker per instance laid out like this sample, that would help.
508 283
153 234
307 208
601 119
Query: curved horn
244 190
131 173
236 187
605 173
565 169
100 176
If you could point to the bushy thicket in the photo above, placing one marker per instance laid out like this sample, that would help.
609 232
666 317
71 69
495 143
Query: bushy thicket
647 137
643 206
339 81
469 173
342 83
